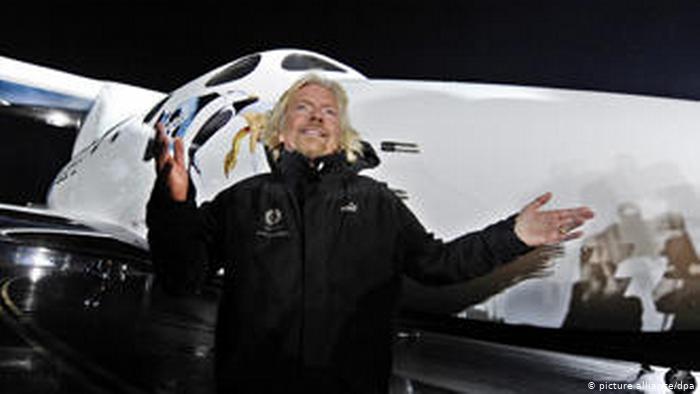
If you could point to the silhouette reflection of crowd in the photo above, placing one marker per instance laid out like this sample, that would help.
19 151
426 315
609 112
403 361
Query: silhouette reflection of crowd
598 299
629 266
676 295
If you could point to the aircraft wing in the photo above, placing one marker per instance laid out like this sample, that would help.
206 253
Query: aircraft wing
65 100
57 98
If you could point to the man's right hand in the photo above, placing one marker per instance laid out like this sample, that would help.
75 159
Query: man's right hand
173 168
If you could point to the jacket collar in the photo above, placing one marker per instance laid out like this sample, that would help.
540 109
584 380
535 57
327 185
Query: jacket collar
295 166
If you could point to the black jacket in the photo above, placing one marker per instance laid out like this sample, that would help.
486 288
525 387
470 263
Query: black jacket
314 256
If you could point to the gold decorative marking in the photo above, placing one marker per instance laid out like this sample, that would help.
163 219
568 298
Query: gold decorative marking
256 125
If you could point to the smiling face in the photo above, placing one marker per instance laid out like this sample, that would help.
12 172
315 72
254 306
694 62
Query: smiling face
311 122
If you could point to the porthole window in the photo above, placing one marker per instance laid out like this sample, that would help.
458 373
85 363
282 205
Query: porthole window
301 62
237 70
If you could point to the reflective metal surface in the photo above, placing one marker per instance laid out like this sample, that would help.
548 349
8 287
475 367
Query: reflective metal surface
437 363
79 312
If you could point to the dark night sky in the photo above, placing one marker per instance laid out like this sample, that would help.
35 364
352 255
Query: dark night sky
645 47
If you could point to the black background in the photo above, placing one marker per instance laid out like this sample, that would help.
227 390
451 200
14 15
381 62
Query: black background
639 47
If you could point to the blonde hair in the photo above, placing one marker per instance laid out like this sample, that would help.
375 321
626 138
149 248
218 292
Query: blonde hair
349 138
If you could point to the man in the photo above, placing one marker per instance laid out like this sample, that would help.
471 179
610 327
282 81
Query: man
314 252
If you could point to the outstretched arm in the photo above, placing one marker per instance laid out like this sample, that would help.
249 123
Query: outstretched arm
431 261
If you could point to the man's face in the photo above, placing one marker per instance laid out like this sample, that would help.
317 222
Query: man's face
311 122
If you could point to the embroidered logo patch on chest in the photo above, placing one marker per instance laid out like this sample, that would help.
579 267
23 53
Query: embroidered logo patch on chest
273 217
273 224
350 207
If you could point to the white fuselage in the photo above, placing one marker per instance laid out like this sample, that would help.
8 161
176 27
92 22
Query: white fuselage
477 153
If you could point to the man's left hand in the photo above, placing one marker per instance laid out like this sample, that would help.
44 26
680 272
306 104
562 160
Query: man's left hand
535 227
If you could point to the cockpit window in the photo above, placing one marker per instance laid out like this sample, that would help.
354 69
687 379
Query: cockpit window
177 123
300 62
235 71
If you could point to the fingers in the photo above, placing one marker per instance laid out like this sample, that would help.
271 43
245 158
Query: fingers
564 231
563 223
179 152
557 237
581 212
536 227
586 213
164 160
539 201
561 214
572 235
572 218
162 142
569 225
